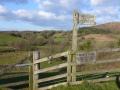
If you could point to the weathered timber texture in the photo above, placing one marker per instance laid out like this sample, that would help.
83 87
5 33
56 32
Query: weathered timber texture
33 78
51 57
14 84
51 78
69 68
51 68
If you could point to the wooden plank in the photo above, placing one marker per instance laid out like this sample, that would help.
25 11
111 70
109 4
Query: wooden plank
83 58
14 84
51 78
51 68
98 71
52 86
23 65
103 61
103 50
106 61
109 50
13 76
51 57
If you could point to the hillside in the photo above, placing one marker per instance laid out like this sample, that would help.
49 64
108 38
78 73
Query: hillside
105 35
110 26
100 37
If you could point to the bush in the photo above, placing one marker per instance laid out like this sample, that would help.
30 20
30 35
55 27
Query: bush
21 45
111 44
118 43
87 45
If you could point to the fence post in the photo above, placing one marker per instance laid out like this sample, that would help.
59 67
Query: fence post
73 56
34 67
30 72
69 68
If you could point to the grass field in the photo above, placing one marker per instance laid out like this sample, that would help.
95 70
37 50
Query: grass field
90 86
7 39
12 57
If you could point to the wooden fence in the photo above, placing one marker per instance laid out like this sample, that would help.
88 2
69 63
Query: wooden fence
70 76
69 64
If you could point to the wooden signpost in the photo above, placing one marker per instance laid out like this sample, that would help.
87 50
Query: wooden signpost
78 19
87 19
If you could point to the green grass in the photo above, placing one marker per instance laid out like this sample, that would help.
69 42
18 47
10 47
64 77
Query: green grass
5 39
90 86
12 57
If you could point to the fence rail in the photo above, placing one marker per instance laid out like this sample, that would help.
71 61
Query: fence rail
107 61
13 76
51 57
52 78
98 71
14 84
51 68
108 50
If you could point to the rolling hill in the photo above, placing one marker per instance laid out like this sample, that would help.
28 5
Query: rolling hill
104 32
109 26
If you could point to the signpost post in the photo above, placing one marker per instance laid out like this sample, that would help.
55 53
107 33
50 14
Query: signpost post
78 19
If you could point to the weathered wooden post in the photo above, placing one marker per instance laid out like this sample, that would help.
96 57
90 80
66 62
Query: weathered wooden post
74 44
34 67
82 19
30 71
69 78
75 25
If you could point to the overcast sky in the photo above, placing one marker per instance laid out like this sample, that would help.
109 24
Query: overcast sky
53 14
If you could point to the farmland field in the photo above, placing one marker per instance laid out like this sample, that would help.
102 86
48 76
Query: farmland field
6 39
12 57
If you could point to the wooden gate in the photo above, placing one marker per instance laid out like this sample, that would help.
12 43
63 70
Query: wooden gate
35 80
